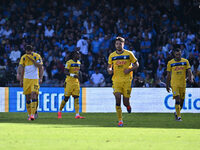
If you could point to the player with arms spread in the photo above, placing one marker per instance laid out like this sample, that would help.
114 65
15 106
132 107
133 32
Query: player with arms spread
30 73
176 72
72 85
121 64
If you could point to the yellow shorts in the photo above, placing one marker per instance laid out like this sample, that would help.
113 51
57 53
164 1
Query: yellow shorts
72 89
178 91
122 87
30 85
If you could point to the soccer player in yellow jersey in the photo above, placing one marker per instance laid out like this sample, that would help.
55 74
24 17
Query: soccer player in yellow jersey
30 73
176 72
72 85
121 64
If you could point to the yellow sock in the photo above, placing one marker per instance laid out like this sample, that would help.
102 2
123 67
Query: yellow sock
28 107
33 106
76 105
178 110
119 112
62 105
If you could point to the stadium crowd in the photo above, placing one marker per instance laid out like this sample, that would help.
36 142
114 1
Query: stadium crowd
56 28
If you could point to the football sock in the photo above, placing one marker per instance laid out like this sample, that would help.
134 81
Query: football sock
119 112
181 104
178 109
33 106
76 105
28 107
62 105
36 105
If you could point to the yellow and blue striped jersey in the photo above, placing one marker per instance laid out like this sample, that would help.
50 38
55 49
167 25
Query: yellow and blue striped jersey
30 70
178 72
73 68
121 62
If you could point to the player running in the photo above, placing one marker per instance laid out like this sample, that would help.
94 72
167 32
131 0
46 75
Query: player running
30 74
176 72
72 85
121 63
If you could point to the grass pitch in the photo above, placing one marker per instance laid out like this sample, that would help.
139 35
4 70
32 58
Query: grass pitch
99 131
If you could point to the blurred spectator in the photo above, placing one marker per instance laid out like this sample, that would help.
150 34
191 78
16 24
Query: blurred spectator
159 83
145 47
149 80
97 79
7 32
15 54
139 82
95 45
160 71
48 31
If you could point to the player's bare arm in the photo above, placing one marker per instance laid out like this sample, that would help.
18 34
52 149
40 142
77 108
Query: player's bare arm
37 64
190 76
41 72
168 81
109 69
20 74
134 67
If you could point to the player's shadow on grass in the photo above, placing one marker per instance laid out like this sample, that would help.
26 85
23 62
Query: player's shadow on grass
142 120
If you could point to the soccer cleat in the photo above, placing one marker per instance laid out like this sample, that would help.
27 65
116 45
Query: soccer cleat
79 117
36 115
175 115
179 119
120 124
59 115
32 117
29 118
128 109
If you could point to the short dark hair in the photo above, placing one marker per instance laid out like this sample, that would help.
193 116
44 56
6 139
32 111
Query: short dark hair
121 39
28 48
75 52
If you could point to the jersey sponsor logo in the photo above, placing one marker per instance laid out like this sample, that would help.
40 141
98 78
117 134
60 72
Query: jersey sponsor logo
179 68
76 69
120 62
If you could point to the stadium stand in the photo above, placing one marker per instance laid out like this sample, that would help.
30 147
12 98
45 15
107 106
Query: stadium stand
56 28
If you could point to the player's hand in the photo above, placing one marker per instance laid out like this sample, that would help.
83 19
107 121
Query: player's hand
168 89
21 83
40 80
110 71
127 71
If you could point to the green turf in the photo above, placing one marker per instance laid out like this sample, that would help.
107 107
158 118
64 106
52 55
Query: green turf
99 131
